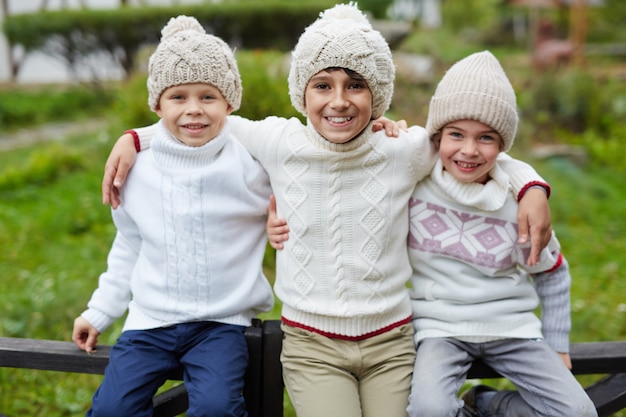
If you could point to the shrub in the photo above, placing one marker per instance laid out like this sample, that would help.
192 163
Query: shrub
120 33
27 107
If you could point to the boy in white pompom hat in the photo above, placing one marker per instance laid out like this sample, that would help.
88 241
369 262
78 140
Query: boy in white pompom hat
348 343
187 257
473 294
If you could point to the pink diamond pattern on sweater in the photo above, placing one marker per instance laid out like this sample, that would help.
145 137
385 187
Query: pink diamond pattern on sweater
475 239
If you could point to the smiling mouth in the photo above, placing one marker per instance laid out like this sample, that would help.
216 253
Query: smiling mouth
194 126
339 119
466 165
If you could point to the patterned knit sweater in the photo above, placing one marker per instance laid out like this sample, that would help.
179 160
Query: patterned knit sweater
191 238
344 269
470 280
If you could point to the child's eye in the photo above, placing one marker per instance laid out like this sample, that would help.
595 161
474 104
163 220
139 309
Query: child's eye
455 134
357 86
321 86
178 97
208 97
487 138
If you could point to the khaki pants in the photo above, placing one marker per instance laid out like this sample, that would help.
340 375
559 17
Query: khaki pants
337 378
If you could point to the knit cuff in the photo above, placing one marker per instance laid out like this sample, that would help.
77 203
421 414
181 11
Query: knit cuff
143 136
98 319
135 139
534 184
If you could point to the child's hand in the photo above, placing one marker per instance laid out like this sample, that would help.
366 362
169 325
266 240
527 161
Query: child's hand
85 335
392 129
277 229
533 216
566 360
121 159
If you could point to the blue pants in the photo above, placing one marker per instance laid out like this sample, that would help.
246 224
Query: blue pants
545 387
213 356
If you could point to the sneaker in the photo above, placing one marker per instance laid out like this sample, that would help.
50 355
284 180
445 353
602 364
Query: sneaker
468 412
469 398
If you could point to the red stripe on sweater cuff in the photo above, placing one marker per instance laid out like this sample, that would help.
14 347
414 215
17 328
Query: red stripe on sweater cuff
136 139
531 184
559 262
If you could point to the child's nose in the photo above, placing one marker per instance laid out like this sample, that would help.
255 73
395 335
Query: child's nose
339 100
193 106
469 147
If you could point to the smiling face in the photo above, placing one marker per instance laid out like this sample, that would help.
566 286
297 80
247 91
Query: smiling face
193 113
338 105
468 150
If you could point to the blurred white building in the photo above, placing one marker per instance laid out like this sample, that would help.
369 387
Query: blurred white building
42 68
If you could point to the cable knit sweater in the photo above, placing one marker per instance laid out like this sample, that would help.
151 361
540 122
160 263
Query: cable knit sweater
469 278
344 269
190 239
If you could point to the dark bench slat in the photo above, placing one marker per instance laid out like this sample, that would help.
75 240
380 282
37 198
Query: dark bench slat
272 375
587 358
598 357
51 355
609 394
264 383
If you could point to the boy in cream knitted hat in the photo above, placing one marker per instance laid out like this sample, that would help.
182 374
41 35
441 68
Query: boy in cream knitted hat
187 258
348 348
473 294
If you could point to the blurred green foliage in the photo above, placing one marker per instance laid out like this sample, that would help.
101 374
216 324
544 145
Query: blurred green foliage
73 34
26 107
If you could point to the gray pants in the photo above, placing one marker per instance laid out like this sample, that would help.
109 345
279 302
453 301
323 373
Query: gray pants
545 387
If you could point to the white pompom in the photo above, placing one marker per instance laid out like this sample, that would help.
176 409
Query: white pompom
345 11
179 24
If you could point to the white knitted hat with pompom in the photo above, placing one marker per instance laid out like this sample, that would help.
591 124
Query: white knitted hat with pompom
343 37
186 55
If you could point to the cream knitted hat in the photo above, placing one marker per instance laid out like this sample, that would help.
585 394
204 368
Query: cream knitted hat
186 55
475 88
343 37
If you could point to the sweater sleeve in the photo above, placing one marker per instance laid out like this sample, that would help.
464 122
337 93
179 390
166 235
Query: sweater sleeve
260 137
143 136
425 150
553 288
110 300
522 175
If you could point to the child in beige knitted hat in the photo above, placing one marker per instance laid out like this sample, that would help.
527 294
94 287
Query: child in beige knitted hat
348 348
473 294
189 296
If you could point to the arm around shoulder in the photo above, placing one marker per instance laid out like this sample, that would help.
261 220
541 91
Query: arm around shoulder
120 161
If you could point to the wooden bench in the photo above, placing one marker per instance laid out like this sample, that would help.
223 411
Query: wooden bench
51 355
264 384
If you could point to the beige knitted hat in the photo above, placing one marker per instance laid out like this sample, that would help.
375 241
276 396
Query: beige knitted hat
343 37
475 88
186 55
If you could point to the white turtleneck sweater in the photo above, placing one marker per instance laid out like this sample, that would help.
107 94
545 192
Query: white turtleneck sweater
344 269
190 239
470 280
